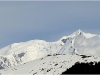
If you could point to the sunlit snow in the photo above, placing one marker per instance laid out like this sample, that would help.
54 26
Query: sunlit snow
40 57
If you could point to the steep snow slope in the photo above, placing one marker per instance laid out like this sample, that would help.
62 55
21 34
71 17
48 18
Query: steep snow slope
53 65
82 43
77 43
19 53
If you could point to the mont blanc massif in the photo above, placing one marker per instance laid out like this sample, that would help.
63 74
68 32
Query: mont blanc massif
73 54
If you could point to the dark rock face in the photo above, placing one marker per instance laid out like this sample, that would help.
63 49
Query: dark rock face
64 40
84 68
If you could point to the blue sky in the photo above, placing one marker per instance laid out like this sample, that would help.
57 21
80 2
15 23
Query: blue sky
22 21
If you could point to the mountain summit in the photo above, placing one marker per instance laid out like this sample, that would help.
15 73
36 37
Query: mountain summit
78 32
78 43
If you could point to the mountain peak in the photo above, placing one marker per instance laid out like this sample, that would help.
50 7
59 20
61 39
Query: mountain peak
78 32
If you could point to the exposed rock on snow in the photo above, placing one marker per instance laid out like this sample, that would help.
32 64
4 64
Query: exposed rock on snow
41 57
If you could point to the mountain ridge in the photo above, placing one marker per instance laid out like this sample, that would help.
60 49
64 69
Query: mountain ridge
78 43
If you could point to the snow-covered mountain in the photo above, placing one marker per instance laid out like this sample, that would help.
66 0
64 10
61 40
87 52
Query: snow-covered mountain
41 57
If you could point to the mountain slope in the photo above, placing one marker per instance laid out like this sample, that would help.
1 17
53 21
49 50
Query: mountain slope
49 65
19 53
36 52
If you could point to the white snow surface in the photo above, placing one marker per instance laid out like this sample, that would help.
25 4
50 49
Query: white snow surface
39 56
49 65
